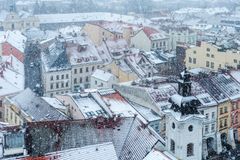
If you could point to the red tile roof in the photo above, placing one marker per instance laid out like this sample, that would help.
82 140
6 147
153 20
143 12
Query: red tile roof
149 31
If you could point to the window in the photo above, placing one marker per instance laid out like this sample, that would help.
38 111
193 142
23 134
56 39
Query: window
221 110
172 146
194 61
207 63
190 128
98 67
1 103
213 115
207 115
11 116
164 43
95 82
67 84
13 26
80 70
212 55
86 69
57 77
212 65
208 55
80 80
66 76
75 71
1 115
190 149
15 119
87 79
221 124
208 49
206 129
62 76
225 109
190 60
51 86
194 52
225 122
75 81
51 78
153 45
57 85
173 125
62 85
235 61
93 68
213 127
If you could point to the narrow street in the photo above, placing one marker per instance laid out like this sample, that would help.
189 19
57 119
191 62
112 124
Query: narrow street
32 65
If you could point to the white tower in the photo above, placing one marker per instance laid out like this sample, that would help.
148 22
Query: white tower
184 123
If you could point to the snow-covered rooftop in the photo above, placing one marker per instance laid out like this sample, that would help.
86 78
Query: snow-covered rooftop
54 102
88 106
118 46
119 106
81 50
209 11
206 99
35 107
12 80
157 155
54 58
151 56
89 17
147 113
103 151
117 27
236 75
15 38
179 117
102 75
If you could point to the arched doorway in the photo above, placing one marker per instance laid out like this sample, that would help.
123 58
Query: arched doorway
225 145
210 146
224 138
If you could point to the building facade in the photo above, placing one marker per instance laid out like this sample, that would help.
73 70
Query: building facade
101 31
102 79
149 39
181 35
211 56
14 21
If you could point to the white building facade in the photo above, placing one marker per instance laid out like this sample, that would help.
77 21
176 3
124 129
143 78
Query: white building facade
102 79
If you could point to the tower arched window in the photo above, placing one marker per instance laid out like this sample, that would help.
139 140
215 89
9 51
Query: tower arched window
190 149
172 146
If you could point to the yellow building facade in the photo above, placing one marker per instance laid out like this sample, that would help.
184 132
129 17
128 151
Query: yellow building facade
97 33
13 115
122 75
210 56
224 118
